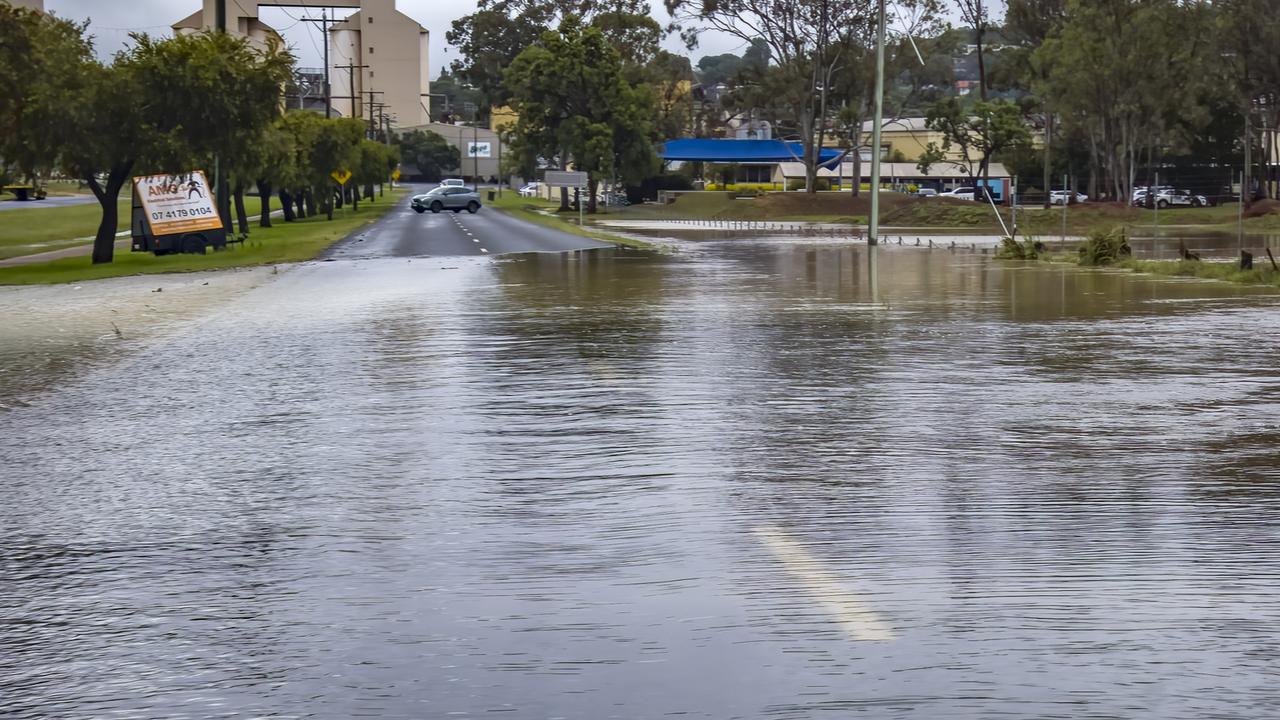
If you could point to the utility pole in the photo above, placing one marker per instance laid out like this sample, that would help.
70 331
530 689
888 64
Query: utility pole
221 186
873 230
356 102
324 38
372 128
1244 178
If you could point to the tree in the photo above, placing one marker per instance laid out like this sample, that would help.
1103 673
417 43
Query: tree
491 38
574 102
1028 23
975 14
716 69
271 165
214 95
978 132
809 42
114 134
1129 78
1248 36
430 153
43 78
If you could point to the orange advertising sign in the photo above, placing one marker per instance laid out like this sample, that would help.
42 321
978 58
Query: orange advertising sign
177 204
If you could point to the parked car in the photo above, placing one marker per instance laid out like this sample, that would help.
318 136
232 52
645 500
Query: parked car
1180 198
926 193
1139 197
960 193
530 190
1062 197
444 197
453 182
618 199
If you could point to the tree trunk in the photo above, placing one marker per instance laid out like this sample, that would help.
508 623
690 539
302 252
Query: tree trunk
341 195
857 168
242 218
309 198
264 194
368 191
355 198
592 184
286 204
104 242
979 28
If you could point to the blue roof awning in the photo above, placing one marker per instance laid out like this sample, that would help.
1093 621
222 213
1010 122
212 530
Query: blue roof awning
739 151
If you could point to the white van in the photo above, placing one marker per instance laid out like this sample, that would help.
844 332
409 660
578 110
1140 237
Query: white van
453 182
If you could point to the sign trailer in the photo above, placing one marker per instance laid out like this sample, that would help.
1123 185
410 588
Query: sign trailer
175 213
568 179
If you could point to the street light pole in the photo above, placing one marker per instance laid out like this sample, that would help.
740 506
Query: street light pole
873 231
221 185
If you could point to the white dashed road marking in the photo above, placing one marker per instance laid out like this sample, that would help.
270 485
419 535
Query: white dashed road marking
859 621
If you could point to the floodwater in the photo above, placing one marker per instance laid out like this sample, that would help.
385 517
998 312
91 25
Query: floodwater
738 480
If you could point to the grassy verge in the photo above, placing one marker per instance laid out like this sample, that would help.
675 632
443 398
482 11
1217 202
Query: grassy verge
281 243
31 230
27 231
542 212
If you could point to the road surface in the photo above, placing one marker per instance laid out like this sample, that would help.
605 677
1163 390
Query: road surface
736 480
406 233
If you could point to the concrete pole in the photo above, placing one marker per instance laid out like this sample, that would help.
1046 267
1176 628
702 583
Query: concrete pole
873 230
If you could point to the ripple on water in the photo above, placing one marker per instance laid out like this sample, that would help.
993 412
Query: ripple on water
730 482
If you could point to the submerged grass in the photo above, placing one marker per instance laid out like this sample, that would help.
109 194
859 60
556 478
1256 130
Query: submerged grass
1224 271
281 243
1111 249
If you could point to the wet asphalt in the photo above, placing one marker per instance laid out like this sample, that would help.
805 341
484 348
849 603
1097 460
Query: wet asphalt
404 232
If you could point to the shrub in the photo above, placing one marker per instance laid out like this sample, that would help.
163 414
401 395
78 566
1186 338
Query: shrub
1105 248
822 184
1011 249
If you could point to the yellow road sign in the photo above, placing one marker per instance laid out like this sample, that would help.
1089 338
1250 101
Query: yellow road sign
395 174
341 176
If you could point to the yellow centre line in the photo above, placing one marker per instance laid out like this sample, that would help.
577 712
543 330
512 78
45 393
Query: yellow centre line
859 621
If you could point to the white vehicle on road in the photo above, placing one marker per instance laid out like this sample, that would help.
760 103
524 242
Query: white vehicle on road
530 190
453 182
960 193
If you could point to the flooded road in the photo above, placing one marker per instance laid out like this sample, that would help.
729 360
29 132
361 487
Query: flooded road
731 481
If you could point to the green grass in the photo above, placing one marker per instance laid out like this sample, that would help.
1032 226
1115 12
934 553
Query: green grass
39 229
31 230
543 212
281 243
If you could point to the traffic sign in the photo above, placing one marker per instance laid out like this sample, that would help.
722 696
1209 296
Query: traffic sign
395 175
341 176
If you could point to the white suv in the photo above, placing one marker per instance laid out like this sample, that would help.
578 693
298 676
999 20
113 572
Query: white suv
960 193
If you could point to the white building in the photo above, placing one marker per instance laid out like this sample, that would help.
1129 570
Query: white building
376 53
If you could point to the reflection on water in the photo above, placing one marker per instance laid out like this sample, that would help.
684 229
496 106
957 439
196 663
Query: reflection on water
737 481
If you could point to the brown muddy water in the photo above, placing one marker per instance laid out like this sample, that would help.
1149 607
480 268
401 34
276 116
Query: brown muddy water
732 481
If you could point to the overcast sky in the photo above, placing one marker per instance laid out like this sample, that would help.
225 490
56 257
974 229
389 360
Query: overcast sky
113 20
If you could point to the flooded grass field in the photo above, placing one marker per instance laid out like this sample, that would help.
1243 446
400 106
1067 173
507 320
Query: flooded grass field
738 479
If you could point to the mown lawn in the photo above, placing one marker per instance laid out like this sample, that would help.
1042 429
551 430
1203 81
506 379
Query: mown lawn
282 243
31 230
